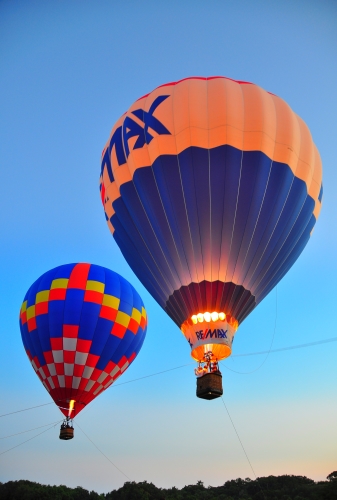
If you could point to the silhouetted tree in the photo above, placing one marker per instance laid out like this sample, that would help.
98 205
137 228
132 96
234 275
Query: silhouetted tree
263 488
332 476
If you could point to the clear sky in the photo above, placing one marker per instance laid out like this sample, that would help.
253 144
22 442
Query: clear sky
68 70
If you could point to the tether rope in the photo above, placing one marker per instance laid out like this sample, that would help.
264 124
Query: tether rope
23 442
237 434
91 441
281 349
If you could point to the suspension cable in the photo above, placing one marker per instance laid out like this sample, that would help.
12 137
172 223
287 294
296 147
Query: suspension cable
91 441
25 409
288 348
237 434
23 442
153 374
30 430
281 349
267 352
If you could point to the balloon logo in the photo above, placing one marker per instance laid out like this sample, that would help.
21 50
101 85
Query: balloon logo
82 325
211 188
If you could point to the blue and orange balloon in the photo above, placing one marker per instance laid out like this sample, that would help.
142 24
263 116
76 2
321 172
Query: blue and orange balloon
82 325
211 188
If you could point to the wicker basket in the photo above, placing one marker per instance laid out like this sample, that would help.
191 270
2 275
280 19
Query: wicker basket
209 386
66 433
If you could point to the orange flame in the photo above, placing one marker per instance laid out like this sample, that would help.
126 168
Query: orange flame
71 406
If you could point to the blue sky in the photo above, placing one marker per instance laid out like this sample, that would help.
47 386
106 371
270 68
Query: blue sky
68 70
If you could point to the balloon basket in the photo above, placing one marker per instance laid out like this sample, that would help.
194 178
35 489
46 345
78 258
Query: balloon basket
209 386
66 430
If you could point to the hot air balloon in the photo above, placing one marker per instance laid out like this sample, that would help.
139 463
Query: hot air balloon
211 188
82 325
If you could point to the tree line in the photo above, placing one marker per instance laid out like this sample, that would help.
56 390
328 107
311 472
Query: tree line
263 488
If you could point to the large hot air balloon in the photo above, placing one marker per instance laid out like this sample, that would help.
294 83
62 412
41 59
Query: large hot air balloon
82 325
211 188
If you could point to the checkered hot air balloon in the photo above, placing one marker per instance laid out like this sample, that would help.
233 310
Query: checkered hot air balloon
211 188
82 325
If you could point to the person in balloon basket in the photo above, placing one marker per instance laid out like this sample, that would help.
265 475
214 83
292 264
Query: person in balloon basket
200 371
214 367
207 368
67 424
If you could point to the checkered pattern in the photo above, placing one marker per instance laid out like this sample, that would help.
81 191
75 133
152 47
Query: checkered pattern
82 326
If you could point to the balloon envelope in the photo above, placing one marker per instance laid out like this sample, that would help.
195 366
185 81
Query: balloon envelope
211 188
82 325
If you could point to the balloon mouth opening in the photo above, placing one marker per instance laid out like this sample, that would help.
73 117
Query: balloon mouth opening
70 407
219 352
211 318
207 316
210 333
